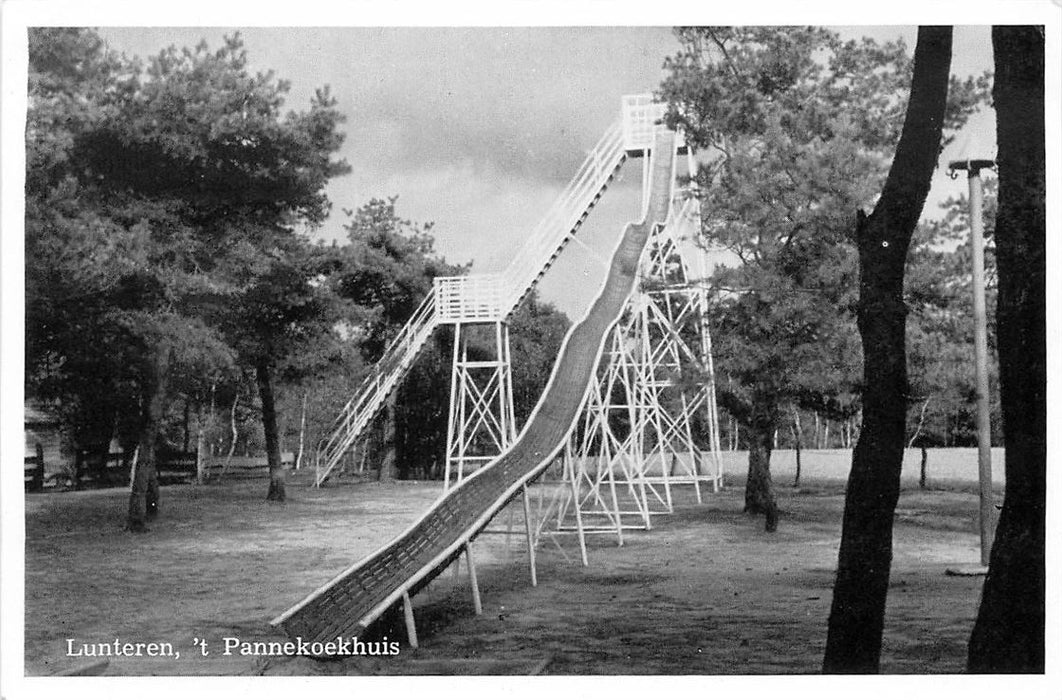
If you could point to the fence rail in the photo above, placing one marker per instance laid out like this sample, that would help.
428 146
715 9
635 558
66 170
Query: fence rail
33 471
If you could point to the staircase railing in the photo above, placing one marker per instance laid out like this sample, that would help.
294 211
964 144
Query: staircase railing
564 217
540 249
394 362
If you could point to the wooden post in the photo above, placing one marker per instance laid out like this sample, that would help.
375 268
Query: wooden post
411 627
615 499
984 436
574 482
37 483
132 465
200 462
530 537
476 603
79 458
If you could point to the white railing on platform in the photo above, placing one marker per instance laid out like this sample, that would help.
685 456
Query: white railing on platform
640 116
394 362
469 299
640 113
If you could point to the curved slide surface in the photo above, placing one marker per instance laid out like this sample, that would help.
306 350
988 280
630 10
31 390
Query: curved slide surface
354 599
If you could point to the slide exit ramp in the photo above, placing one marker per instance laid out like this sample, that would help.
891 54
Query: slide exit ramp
354 599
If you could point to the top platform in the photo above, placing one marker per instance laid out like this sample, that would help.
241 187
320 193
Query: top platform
640 115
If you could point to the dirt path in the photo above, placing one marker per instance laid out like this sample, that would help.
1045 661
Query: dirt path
705 592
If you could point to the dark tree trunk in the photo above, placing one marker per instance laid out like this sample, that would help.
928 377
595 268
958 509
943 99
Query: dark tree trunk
388 460
151 508
798 440
759 491
853 642
144 494
79 464
272 433
187 427
922 467
38 469
1008 636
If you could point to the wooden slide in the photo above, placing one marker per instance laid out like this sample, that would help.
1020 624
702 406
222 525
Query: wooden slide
354 599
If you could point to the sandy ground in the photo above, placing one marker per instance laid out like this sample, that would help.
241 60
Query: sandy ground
706 591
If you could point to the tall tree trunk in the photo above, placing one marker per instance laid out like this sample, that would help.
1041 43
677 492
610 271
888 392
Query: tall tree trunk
153 493
759 491
232 442
144 493
922 467
302 431
1008 636
798 439
79 463
187 426
922 447
272 432
853 642
388 462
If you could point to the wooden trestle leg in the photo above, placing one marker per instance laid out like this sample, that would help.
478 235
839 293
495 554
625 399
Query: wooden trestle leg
476 603
411 627
530 537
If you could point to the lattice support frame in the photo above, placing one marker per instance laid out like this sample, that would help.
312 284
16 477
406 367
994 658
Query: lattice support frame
482 424
636 435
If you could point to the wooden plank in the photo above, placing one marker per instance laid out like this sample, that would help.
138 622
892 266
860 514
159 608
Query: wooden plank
411 626
93 668
477 605
530 538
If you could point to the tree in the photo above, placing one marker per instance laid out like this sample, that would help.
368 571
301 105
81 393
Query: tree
104 281
281 319
798 124
1008 635
853 642
799 128
387 269
257 177
180 167
70 268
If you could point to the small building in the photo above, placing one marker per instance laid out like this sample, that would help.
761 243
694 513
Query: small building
41 427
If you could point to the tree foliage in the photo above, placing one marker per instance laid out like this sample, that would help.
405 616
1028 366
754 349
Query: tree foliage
796 126
799 127
160 182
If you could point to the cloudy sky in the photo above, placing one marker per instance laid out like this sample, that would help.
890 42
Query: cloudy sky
478 129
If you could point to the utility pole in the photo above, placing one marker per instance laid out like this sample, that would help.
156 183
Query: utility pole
984 430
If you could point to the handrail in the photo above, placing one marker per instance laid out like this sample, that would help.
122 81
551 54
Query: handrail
540 248
564 215
357 412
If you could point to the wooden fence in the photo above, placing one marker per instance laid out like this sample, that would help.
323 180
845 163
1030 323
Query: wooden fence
115 468
33 472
